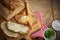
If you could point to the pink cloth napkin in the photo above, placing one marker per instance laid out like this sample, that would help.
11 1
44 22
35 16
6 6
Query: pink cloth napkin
39 32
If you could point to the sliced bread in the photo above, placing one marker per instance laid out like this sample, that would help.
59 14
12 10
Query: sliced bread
8 32
17 27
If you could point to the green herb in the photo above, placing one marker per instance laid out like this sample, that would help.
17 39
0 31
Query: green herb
49 33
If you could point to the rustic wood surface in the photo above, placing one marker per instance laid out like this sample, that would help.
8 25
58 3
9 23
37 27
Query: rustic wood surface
56 9
56 12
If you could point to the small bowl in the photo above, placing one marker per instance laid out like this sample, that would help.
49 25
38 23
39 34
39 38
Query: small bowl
56 25
52 38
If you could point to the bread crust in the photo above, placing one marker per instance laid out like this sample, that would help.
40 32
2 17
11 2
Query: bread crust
11 4
8 14
8 32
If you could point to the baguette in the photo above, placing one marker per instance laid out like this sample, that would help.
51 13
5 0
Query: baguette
8 32
7 14
33 21
29 10
11 4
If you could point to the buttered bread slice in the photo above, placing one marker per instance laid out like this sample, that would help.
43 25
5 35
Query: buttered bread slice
8 32
17 27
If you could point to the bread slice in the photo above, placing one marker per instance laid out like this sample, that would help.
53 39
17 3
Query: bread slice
17 27
8 32
24 29
8 14
13 26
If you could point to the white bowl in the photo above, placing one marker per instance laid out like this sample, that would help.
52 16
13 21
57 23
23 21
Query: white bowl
52 38
56 25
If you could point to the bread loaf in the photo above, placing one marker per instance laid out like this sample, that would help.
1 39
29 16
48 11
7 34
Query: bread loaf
8 14
11 4
33 20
